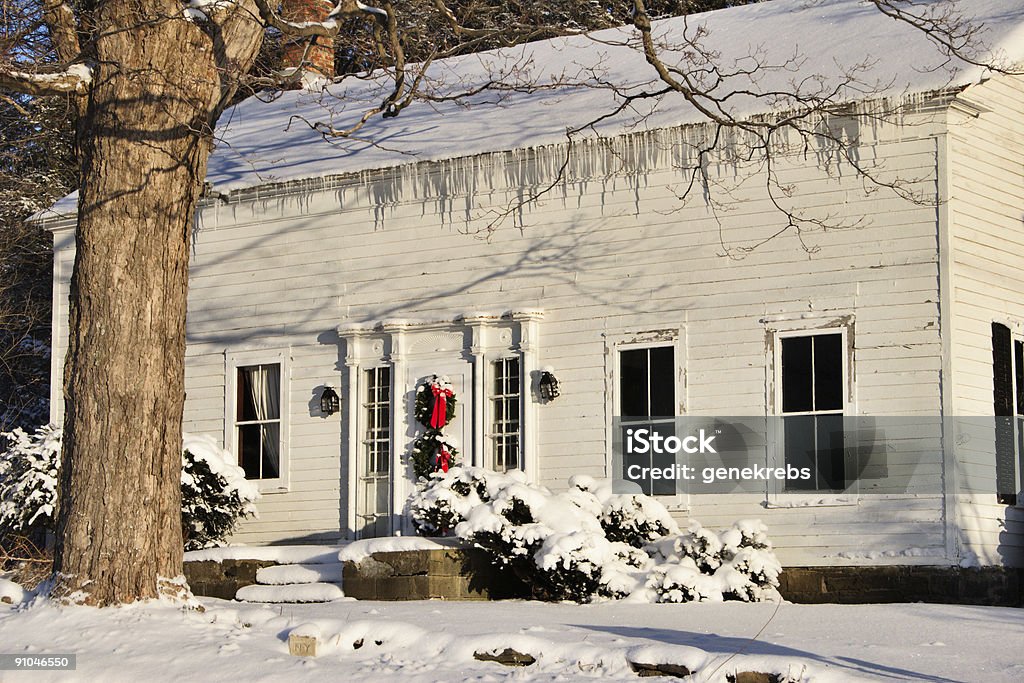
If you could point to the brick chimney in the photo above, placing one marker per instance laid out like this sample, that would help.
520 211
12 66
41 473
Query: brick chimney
320 59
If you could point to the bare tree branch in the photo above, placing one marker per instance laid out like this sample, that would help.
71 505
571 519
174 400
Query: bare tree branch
327 28
63 27
954 35
74 80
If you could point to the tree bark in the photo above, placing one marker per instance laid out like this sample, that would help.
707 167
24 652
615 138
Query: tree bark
159 85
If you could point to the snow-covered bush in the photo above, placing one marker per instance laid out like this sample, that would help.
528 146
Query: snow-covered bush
587 542
446 501
737 564
214 492
28 481
635 520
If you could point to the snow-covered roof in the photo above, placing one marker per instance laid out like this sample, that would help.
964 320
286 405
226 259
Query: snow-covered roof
811 45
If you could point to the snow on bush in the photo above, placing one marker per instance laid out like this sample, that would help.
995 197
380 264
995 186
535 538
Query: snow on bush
28 481
588 543
214 492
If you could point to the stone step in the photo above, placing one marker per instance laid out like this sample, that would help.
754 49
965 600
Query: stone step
302 592
288 574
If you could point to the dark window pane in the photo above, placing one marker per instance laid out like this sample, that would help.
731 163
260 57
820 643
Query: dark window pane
249 450
799 447
271 434
663 381
828 372
830 452
633 383
796 375
246 407
512 452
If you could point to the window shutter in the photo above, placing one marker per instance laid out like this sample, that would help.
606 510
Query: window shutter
1002 384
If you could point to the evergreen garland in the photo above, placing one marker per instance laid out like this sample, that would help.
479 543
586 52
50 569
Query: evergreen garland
425 404
427 448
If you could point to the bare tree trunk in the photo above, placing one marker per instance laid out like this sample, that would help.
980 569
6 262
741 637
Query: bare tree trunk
144 142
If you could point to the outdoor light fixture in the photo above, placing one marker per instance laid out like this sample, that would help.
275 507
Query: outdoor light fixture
329 401
548 384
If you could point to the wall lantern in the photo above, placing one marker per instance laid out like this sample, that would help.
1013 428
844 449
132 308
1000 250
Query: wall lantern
329 401
548 384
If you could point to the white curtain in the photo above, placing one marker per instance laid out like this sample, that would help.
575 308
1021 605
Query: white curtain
265 389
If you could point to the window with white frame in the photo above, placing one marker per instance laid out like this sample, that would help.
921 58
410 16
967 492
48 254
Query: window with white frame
1008 395
374 495
258 420
647 397
377 409
505 414
813 388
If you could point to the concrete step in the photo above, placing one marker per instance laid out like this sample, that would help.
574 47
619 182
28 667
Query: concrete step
288 574
303 592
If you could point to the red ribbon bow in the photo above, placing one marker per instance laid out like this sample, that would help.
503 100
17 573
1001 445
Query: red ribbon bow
443 459
439 417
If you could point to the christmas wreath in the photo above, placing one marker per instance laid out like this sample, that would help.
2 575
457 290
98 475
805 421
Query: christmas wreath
435 407
435 403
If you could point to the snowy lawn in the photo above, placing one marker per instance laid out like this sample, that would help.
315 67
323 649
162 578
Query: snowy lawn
435 641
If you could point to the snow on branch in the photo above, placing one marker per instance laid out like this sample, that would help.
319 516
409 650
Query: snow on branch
74 80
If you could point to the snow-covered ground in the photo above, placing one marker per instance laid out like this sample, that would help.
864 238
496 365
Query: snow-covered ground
435 641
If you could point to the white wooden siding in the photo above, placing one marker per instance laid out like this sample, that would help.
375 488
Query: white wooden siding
600 257
986 208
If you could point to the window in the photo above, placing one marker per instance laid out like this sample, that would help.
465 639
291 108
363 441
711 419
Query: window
647 385
258 420
378 420
375 473
1008 394
813 391
647 398
505 409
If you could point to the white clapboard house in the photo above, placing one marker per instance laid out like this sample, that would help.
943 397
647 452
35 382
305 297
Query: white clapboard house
473 239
